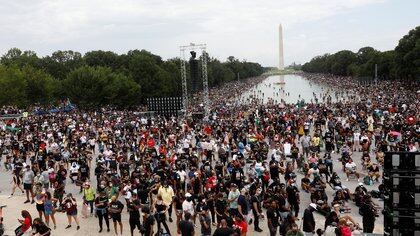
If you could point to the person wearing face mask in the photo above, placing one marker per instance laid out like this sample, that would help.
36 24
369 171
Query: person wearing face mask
101 204
256 209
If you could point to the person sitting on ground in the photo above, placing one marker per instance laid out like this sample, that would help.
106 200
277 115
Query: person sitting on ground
294 231
373 172
305 183
40 228
380 157
350 169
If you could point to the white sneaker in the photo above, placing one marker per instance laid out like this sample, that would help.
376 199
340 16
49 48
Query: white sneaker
347 179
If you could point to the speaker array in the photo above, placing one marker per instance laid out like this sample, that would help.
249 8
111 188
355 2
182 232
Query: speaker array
401 179
168 106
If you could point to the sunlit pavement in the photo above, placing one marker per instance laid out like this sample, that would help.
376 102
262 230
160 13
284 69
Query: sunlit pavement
90 226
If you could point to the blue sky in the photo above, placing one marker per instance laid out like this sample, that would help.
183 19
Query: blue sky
246 29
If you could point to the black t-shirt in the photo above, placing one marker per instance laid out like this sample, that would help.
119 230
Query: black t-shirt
148 224
274 170
117 206
244 204
41 229
103 200
373 169
281 202
220 205
292 194
254 199
274 216
186 228
308 221
143 194
84 171
133 209
223 232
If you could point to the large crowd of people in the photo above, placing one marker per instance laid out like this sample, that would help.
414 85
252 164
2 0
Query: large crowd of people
244 169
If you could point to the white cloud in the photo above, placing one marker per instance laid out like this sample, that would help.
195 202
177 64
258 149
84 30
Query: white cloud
245 28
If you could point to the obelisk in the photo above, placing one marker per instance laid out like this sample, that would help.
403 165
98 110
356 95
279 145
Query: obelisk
281 58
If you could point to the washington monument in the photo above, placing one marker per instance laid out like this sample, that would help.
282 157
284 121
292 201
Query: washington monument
281 57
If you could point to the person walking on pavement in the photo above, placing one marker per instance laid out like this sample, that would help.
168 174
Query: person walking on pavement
28 182
273 218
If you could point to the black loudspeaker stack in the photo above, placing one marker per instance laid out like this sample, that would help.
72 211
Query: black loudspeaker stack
401 181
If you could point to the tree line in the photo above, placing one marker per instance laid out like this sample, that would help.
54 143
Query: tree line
100 78
401 63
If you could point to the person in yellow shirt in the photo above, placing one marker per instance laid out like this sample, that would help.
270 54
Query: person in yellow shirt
316 141
167 194
89 196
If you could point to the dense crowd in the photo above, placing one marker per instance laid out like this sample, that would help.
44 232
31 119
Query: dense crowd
243 169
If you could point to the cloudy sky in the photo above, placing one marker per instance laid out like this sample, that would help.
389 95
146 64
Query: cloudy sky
246 29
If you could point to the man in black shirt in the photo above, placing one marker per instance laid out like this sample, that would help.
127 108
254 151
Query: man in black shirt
101 204
308 219
273 217
243 204
133 207
274 169
220 207
185 227
369 214
115 208
223 230
293 197
256 209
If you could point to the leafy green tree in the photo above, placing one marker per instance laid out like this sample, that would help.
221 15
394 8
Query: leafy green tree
13 87
407 55
41 87
16 57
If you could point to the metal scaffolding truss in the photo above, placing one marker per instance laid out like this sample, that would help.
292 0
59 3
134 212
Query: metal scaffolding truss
206 100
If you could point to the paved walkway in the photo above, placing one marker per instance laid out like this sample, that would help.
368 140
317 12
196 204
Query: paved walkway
90 226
